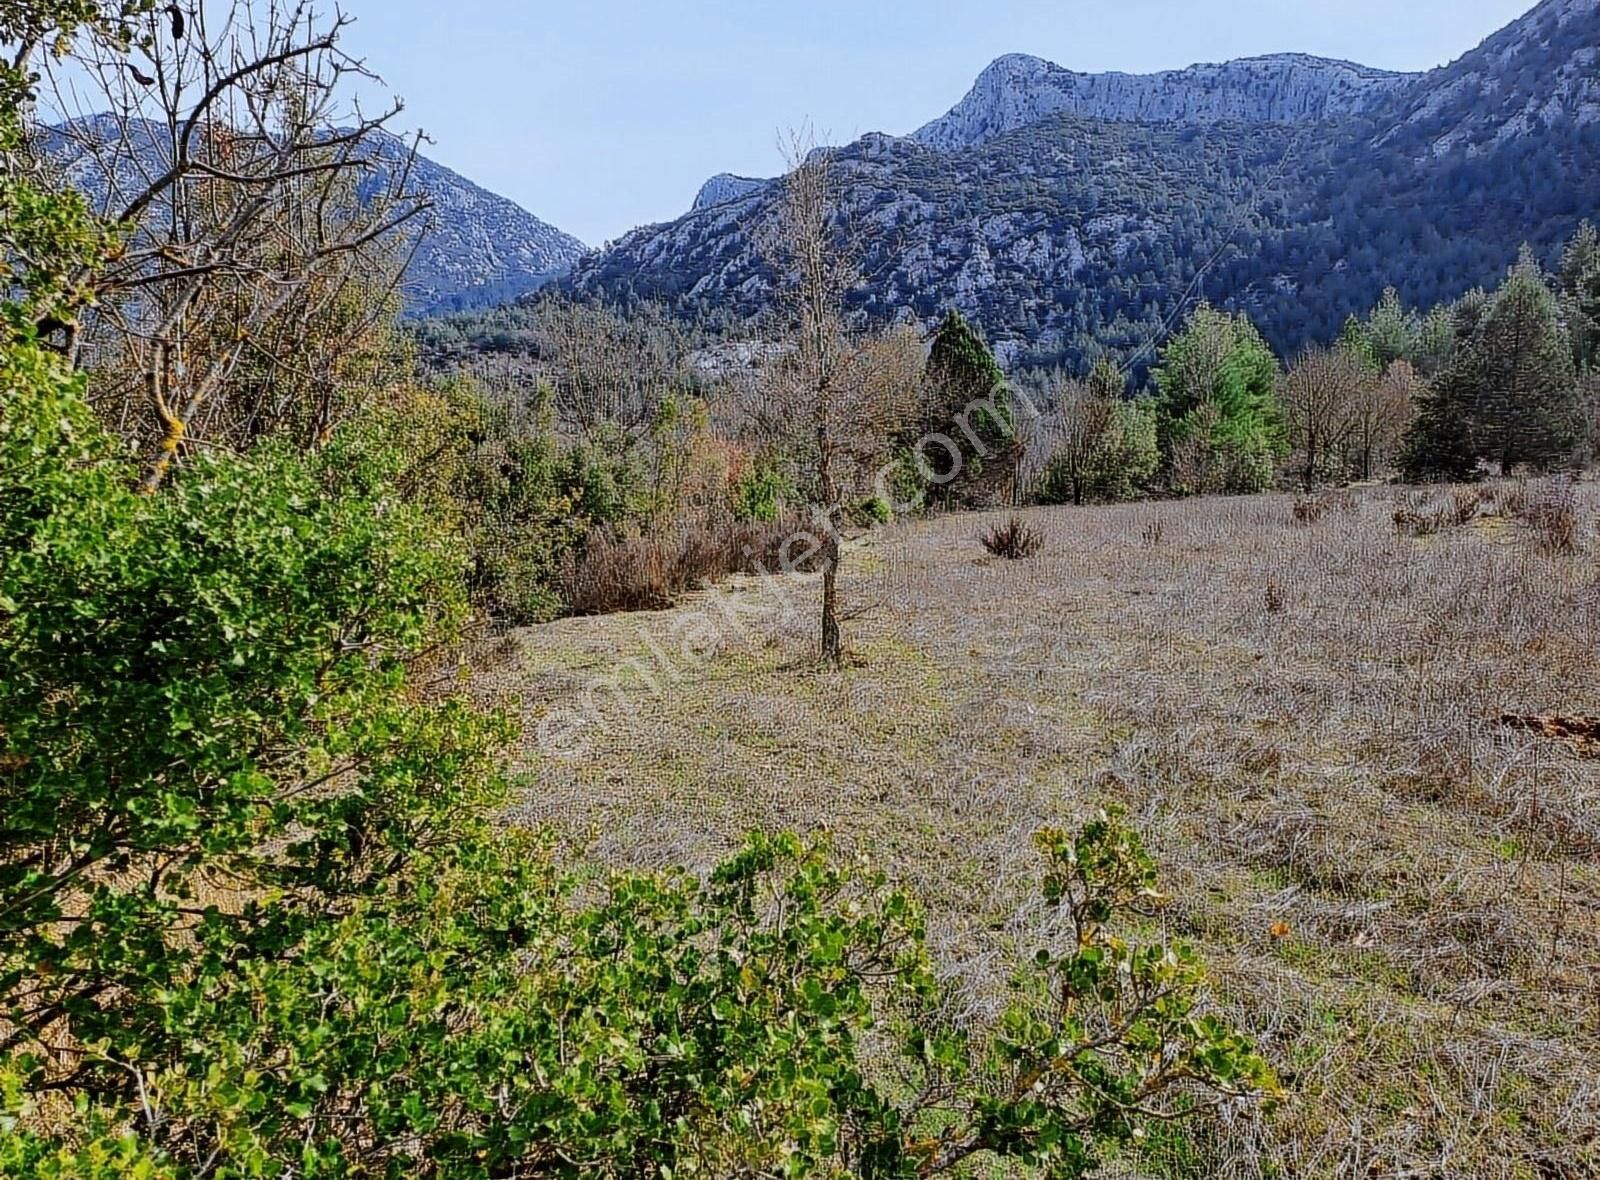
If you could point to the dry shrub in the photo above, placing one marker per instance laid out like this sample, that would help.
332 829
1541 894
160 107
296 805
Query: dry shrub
1310 510
1553 517
1013 540
1415 522
634 572
1423 515
1464 505
1506 499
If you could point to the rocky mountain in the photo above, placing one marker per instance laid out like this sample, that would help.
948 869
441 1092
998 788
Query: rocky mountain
1069 213
1537 76
726 187
1017 91
477 249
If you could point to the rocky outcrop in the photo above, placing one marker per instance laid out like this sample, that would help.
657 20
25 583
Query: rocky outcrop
726 187
1289 88
1535 76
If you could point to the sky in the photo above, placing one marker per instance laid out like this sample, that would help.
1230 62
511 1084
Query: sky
602 115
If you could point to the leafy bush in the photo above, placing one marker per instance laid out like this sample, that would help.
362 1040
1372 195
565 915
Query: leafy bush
875 510
762 493
473 1017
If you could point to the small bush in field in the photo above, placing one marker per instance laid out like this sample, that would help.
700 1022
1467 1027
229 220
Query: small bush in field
1310 510
875 511
1465 504
1507 499
1418 522
1014 540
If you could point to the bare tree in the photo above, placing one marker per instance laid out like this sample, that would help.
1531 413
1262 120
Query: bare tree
266 213
844 392
1087 425
1384 409
1320 394
610 372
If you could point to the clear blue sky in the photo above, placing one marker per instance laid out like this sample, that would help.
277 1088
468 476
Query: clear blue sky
600 115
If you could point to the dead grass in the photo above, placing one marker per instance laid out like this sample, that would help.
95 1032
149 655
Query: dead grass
612 573
1399 894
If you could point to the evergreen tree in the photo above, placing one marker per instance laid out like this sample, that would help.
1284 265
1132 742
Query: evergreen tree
1439 444
1107 380
1391 331
1580 294
1221 425
1355 341
1436 342
1512 394
967 410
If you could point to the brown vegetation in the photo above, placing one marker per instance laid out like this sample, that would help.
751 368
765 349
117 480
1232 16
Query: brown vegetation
1013 540
649 572
1399 892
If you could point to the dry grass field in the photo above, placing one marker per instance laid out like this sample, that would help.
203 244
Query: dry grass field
1399 894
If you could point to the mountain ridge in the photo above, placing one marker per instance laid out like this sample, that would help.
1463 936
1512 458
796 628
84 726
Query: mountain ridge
1018 89
1070 234
478 248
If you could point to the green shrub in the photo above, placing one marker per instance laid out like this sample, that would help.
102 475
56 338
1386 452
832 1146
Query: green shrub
763 493
875 510
474 1018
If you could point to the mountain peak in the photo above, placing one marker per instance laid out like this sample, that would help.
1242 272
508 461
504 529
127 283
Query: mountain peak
1018 89
725 186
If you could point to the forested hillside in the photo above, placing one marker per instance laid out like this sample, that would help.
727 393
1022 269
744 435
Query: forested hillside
1068 235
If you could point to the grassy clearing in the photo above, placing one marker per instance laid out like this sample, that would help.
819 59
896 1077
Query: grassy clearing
1301 716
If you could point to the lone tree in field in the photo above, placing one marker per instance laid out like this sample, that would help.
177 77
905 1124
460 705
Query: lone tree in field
968 447
844 394
1512 396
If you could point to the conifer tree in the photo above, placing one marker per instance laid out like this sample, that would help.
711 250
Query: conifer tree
1391 331
1221 424
1436 342
969 425
1512 395
1580 294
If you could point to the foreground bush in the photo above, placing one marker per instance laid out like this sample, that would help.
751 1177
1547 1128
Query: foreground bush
470 1019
